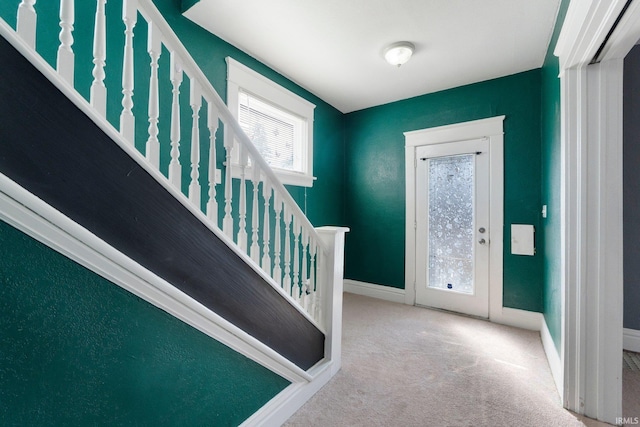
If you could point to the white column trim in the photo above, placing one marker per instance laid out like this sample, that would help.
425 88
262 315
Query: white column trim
592 204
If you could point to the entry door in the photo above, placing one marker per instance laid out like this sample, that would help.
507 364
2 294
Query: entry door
452 226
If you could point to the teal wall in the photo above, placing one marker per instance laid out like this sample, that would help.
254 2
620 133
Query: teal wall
375 172
78 350
551 179
359 157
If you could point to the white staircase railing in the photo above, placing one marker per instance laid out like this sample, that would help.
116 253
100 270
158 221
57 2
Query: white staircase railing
269 229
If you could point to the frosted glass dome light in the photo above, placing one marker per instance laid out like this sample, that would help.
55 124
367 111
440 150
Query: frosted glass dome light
398 53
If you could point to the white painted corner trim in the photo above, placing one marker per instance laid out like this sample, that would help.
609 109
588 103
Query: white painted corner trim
29 214
631 340
382 292
493 129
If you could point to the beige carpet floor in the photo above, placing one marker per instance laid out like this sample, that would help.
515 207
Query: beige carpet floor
409 366
631 385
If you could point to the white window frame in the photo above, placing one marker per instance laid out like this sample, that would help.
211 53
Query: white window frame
240 77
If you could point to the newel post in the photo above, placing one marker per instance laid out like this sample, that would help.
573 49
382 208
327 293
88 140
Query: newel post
332 272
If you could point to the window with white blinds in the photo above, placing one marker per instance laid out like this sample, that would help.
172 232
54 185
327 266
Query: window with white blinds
278 122
272 131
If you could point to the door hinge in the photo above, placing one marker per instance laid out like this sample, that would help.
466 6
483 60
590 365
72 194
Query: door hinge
415 225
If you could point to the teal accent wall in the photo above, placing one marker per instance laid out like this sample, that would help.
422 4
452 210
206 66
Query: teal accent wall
375 172
551 191
359 157
76 349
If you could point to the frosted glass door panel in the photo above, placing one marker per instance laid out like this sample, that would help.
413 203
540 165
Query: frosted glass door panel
452 226
450 219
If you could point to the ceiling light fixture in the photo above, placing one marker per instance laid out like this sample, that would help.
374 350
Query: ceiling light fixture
398 53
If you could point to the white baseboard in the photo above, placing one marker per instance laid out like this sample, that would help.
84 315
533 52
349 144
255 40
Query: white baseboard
387 293
279 409
552 357
519 318
631 340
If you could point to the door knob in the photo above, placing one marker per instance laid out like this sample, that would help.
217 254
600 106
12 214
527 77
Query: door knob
482 242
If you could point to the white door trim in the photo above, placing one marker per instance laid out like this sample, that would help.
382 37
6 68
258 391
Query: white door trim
591 112
491 128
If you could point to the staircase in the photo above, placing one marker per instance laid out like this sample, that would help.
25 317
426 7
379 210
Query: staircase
236 258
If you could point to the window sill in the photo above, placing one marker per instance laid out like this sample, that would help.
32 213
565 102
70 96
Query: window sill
286 177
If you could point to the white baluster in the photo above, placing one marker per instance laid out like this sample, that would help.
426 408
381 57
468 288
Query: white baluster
227 222
287 250
175 169
296 259
27 19
313 310
255 248
154 47
242 207
196 104
212 203
305 279
320 278
98 89
266 259
65 64
127 121
277 249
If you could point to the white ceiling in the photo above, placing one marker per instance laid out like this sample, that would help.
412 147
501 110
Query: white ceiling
333 48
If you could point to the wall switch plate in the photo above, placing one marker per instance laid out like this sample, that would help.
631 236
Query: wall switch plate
544 211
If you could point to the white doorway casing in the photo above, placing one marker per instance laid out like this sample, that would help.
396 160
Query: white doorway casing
592 282
492 130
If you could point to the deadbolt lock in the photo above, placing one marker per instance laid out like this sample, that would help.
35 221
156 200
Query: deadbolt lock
481 230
